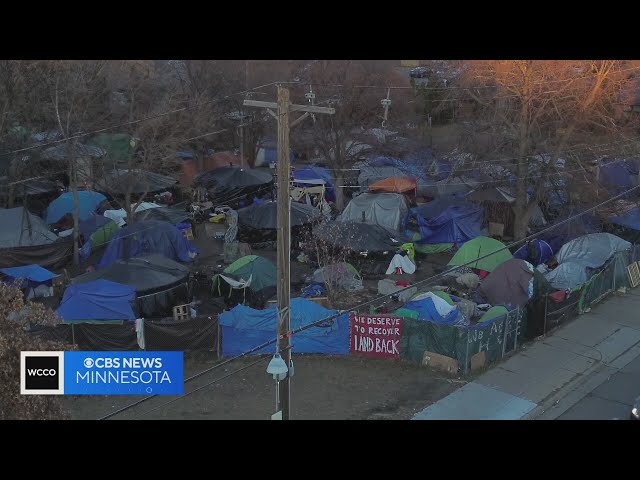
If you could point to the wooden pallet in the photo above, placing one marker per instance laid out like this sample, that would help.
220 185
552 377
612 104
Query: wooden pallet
633 271
182 312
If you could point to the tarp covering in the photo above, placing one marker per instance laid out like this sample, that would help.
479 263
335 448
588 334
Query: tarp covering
161 281
511 283
494 312
630 219
173 215
31 273
189 169
199 333
618 176
100 300
568 275
474 250
146 274
229 184
21 228
119 181
88 202
314 173
444 220
265 216
535 252
358 237
430 307
120 216
244 328
52 255
117 145
592 250
146 238
395 185
494 194
98 230
384 209
28 187
338 275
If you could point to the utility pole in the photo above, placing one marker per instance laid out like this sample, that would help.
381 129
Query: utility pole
283 108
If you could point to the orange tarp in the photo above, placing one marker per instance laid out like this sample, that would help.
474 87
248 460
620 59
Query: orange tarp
217 160
395 184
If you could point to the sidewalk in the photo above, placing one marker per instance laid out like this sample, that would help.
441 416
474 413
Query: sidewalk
548 377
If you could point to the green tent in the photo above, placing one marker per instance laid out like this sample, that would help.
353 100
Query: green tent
427 248
473 250
104 234
493 312
261 271
117 145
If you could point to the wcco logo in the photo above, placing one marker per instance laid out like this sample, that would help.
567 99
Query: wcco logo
41 373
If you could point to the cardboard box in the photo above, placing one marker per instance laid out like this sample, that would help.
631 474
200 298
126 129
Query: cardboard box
478 361
440 362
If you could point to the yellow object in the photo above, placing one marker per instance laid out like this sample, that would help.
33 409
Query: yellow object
218 218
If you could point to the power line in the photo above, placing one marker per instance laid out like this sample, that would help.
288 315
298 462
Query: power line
382 297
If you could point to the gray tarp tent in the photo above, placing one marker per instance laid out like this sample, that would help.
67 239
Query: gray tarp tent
119 181
592 250
578 257
20 228
265 216
25 239
384 209
510 283
358 237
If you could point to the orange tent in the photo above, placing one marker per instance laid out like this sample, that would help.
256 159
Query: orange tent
217 160
395 184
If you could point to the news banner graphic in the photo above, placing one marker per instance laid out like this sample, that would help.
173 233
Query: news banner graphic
101 373
375 335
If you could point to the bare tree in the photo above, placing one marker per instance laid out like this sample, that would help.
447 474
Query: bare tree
346 85
16 316
545 117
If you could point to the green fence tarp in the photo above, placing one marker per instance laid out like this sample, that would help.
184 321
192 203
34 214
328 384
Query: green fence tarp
611 277
462 343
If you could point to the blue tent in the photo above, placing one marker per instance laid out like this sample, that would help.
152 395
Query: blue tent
146 238
100 300
427 311
541 252
31 275
630 220
314 173
64 204
445 220
412 170
244 328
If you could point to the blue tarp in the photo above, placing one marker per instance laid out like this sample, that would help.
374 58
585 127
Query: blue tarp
619 176
64 204
541 252
147 238
427 311
94 222
315 173
412 170
97 300
33 274
583 225
630 220
446 220
244 328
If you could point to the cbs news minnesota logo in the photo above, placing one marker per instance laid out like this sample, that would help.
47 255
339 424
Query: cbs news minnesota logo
101 373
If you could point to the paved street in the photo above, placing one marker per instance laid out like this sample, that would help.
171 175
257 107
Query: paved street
610 400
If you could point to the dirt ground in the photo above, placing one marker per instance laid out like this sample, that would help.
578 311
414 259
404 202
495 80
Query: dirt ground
323 388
